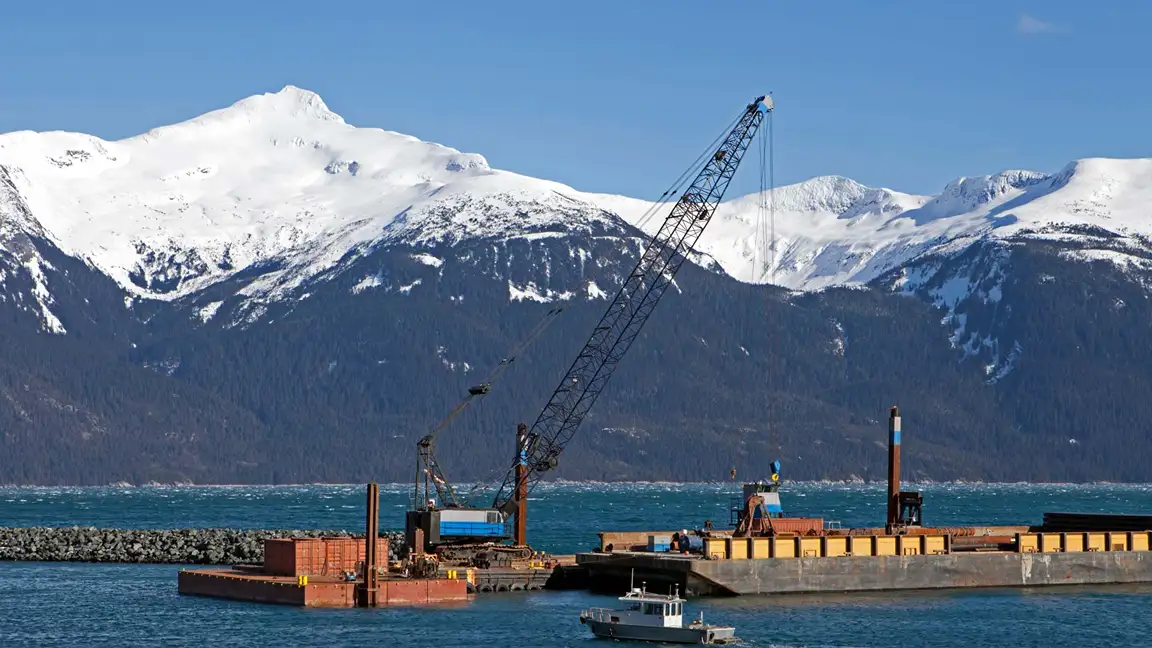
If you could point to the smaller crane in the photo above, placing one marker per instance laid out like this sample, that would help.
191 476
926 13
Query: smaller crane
429 475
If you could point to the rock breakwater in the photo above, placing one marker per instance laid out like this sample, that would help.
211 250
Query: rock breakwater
173 546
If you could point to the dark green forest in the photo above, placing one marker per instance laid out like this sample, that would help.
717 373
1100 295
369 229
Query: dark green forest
339 386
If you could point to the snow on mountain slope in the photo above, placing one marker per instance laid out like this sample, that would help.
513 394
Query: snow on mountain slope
827 230
279 183
23 282
833 231
272 177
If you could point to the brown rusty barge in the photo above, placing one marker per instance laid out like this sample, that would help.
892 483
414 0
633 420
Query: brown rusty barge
359 572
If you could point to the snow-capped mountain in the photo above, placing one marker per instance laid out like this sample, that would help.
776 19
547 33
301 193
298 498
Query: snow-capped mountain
833 231
279 179
288 272
273 178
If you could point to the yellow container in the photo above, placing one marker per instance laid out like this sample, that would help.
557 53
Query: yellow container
909 545
1140 541
761 548
715 548
836 546
809 547
1073 542
885 545
1050 542
738 548
935 545
1027 543
1117 542
785 547
1096 541
860 545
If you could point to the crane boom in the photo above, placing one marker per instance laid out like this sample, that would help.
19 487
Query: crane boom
427 466
629 310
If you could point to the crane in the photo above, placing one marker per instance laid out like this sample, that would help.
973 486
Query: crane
429 475
540 446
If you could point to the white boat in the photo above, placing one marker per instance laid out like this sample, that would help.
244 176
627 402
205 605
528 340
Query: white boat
653 617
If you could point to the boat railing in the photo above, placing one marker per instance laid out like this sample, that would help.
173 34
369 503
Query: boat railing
600 614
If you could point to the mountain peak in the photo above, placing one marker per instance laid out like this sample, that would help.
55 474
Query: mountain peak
289 100
289 105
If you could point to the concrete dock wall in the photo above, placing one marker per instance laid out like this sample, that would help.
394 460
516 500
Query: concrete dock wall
925 572
699 577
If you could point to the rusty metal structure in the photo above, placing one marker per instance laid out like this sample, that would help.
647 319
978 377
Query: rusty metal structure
893 466
370 584
520 534
756 520
905 508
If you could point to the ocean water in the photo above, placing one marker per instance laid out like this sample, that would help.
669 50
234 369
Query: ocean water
48 604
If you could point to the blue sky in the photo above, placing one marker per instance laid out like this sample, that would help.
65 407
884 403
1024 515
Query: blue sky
619 96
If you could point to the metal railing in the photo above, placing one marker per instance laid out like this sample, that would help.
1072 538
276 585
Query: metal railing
599 614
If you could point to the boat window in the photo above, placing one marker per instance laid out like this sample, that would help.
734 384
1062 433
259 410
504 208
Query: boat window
634 607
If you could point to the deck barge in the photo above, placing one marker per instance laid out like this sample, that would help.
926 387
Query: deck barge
736 566
357 572
315 591
769 553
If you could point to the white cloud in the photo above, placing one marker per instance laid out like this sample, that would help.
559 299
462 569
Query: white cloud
1032 25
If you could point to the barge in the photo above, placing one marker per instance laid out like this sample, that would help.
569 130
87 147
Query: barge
316 591
358 572
768 553
807 564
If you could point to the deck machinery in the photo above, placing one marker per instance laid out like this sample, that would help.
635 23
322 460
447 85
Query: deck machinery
439 516
759 505
457 530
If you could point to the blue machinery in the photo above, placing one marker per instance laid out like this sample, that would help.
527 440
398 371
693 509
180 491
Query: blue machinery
759 503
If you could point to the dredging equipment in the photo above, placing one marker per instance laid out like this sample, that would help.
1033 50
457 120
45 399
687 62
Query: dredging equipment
467 528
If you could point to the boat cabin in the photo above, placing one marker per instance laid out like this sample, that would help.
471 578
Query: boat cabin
645 608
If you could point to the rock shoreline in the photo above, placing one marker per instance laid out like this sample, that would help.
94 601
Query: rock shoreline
169 546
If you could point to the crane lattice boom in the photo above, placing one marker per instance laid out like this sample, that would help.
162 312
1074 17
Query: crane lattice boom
630 308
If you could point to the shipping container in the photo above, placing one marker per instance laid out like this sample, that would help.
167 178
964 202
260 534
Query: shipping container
293 556
659 542
799 526
318 556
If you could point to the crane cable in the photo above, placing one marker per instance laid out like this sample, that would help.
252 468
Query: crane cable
768 203
764 261
646 217
477 396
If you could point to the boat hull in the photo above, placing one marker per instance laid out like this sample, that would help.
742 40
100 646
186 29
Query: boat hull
684 635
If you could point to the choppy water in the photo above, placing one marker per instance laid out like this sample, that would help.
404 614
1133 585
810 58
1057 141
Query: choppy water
133 605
